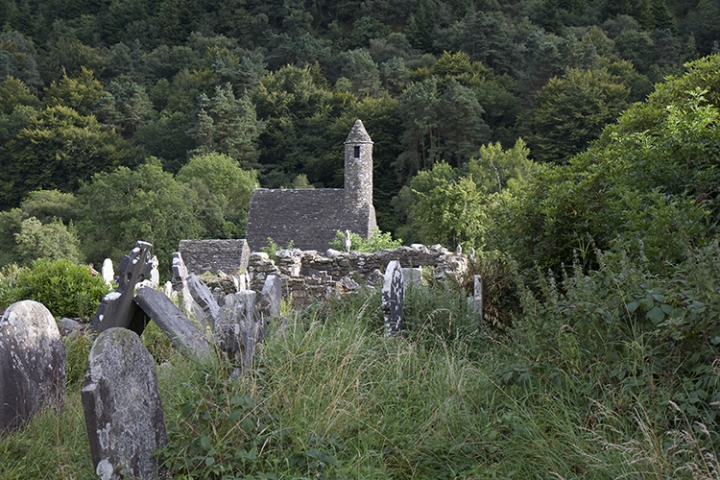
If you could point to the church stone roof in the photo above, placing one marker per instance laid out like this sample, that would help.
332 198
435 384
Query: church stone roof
358 134
308 217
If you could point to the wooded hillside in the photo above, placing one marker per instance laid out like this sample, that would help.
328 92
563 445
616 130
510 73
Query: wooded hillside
90 86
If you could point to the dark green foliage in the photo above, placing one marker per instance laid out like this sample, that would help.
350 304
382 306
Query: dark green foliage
227 124
57 149
571 111
65 288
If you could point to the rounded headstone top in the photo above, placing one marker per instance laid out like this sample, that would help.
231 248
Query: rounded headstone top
31 317
358 134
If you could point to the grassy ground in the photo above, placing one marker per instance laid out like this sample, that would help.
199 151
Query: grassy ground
332 397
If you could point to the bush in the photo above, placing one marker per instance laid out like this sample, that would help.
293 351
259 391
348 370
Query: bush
65 288
378 241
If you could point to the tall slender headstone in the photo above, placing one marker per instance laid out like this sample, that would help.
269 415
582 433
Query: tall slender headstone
108 273
271 296
202 295
478 295
123 412
393 298
32 363
180 284
240 327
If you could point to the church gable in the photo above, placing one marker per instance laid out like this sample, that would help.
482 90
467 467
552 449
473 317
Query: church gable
311 217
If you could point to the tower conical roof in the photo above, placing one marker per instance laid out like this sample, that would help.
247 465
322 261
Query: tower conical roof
358 134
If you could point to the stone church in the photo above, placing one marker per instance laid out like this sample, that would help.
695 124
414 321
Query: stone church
310 217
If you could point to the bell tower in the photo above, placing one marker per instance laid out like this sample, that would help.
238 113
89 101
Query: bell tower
359 168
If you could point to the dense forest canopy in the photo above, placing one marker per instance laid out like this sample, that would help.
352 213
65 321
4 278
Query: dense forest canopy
116 98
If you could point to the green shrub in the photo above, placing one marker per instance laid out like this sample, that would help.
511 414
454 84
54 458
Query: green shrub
378 241
65 288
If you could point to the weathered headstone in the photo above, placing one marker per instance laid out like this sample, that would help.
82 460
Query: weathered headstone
179 280
412 275
117 309
201 294
108 273
123 412
348 241
32 363
240 327
69 326
154 272
478 295
393 298
181 332
271 296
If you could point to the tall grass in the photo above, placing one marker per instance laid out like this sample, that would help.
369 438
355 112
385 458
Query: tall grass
332 397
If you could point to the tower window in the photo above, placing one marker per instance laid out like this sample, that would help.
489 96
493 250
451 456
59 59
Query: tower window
357 152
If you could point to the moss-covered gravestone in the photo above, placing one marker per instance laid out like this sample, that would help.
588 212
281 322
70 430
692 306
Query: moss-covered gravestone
32 363
123 412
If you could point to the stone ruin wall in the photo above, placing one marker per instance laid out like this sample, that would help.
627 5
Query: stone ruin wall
308 276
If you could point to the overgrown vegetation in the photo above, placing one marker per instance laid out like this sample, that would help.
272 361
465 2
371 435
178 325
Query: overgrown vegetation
591 381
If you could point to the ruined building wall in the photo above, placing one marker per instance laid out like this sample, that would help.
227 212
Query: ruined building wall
308 276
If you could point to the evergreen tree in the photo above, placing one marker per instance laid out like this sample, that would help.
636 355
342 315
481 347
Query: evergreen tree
228 125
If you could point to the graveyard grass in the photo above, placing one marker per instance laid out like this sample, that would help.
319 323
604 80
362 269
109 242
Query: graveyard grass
333 397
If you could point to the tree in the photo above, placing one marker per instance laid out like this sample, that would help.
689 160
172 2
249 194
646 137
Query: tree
126 108
118 208
51 241
461 126
227 125
298 108
363 73
418 111
57 149
648 184
572 111
447 209
18 58
13 93
165 138
496 169
81 93
230 186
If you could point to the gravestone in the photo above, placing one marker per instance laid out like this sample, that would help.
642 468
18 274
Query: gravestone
240 327
179 282
108 273
478 295
181 332
393 297
117 309
412 275
123 412
32 363
271 296
201 294
154 272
